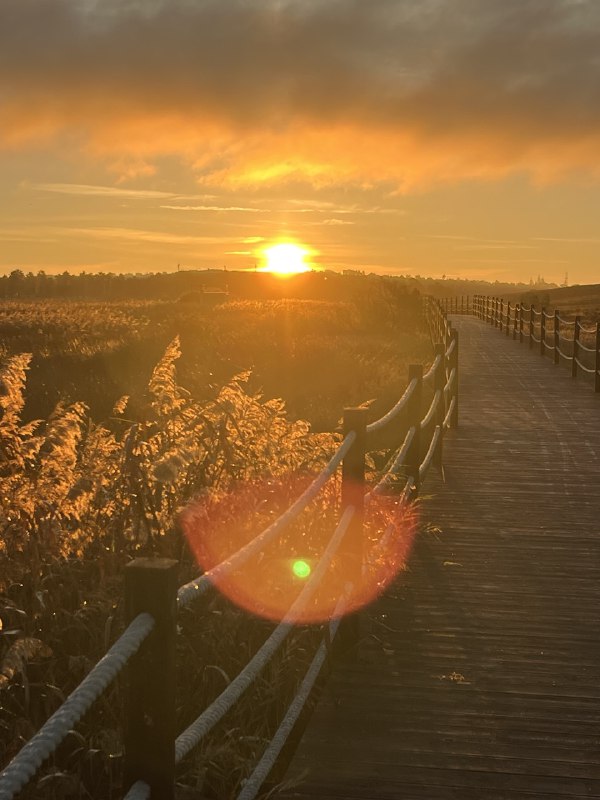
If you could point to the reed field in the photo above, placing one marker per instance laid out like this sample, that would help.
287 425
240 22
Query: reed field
114 417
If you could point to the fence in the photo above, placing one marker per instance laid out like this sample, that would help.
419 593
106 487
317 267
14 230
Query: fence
152 599
566 341
457 305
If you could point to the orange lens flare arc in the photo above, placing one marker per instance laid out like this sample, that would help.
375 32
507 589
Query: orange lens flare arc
268 583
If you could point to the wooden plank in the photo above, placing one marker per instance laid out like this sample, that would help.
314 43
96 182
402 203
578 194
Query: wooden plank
479 676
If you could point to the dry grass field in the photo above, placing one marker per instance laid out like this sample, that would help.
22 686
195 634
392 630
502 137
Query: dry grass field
113 417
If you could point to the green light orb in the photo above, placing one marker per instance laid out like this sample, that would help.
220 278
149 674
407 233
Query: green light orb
301 569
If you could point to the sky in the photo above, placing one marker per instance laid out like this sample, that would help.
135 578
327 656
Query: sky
439 137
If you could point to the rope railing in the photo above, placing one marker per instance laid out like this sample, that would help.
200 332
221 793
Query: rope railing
254 783
432 369
393 468
432 410
147 648
401 405
194 733
448 417
30 758
426 463
567 322
547 330
139 791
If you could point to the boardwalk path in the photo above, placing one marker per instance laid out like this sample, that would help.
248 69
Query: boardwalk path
480 676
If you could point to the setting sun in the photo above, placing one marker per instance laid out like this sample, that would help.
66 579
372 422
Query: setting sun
286 259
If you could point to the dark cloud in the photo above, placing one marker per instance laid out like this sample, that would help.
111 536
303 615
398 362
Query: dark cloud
500 85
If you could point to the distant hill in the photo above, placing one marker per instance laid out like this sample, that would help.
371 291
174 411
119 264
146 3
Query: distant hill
581 299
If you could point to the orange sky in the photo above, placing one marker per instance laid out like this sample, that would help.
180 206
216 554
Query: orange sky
457 137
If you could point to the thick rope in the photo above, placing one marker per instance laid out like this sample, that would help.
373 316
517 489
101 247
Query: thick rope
432 409
431 371
193 734
584 368
393 469
395 410
423 469
139 791
275 746
29 759
448 416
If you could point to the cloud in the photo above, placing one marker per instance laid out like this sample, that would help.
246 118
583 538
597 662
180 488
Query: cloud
243 209
141 235
100 191
325 91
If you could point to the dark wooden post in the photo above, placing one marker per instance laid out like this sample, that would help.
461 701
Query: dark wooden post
531 318
576 334
597 360
501 314
543 332
439 381
353 494
517 311
149 736
454 364
520 323
467 304
556 336
413 457
353 478
508 319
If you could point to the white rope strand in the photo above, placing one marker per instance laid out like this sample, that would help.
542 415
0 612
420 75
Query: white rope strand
393 412
139 791
192 735
432 447
275 746
29 759
394 467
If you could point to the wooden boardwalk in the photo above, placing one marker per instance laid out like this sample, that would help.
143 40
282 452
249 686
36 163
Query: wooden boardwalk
479 675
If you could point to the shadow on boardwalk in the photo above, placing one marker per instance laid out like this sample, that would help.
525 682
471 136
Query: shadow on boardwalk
479 677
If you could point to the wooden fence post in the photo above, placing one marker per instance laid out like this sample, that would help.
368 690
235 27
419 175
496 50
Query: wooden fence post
149 735
353 479
353 494
597 360
508 319
501 314
543 332
520 323
531 318
413 456
576 334
517 311
454 365
439 381
556 336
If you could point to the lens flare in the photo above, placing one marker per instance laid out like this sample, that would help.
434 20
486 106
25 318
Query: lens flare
269 581
301 569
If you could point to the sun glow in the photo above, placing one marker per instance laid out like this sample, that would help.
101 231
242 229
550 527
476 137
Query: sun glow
286 259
